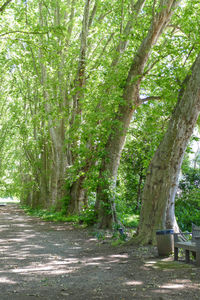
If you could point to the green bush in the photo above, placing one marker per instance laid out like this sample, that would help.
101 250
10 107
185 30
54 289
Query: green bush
188 201
87 217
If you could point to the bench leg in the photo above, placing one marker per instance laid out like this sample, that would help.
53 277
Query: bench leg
194 254
175 253
198 258
187 256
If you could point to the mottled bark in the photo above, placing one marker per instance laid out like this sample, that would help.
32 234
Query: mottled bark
139 189
76 191
122 45
78 197
80 77
116 140
80 80
162 177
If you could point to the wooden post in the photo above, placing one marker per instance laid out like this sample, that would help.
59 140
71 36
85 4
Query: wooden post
175 253
187 256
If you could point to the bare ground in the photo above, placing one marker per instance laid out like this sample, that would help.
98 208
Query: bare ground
44 260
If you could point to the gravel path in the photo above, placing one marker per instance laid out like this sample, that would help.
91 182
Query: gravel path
44 260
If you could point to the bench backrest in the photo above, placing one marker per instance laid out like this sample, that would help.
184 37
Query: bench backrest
182 237
195 231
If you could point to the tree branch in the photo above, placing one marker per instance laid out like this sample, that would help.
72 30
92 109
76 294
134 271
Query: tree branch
121 47
188 56
2 8
102 16
138 6
92 14
26 32
149 99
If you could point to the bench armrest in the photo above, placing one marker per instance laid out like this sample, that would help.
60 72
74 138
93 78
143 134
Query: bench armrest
182 236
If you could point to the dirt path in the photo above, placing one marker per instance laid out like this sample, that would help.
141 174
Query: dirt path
40 260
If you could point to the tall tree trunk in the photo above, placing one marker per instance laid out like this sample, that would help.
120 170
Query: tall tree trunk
76 190
56 127
76 195
139 189
116 140
162 177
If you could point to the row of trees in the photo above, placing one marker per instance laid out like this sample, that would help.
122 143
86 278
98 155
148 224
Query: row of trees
76 76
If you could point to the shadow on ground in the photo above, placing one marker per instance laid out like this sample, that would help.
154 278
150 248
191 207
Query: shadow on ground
42 260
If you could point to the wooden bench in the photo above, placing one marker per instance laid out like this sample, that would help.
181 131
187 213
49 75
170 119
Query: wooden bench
189 242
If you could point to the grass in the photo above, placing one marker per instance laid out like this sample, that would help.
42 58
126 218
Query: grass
172 265
117 243
51 215
130 220
86 218
54 216
168 264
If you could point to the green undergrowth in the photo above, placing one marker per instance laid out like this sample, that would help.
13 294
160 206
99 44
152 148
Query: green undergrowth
130 219
117 236
171 265
85 218
118 242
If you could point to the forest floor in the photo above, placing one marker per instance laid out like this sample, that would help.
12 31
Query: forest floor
45 260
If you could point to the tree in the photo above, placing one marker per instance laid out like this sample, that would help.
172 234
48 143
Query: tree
76 73
130 101
188 196
162 177
3 7
143 137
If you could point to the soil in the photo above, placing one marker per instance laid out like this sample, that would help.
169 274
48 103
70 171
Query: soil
45 260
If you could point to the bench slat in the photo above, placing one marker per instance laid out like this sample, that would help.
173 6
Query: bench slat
193 245
186 245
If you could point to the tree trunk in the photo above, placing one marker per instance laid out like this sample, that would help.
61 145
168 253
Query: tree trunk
77 197
162 177
77 194
55 177
139 189
116 140
80 80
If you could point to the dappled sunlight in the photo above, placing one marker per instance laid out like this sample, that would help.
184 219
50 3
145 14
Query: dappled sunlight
172 286
39 254
18 240
96 258
6 280
24 226
48 269
134 283
150 262
75 248
93 264
119 256
23 244
92 240
179 284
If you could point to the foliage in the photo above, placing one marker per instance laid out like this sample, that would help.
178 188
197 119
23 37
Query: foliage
55 124
143 138
87 217
188 199
130 219
117 243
